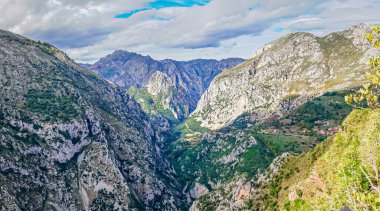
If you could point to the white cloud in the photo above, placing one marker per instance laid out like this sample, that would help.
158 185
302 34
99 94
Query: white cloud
87 30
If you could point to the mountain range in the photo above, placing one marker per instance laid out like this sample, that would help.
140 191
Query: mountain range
132 133
176 86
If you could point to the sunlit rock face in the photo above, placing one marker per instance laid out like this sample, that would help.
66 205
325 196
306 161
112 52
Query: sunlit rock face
284 73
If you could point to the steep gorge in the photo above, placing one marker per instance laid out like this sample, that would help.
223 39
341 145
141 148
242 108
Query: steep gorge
71 140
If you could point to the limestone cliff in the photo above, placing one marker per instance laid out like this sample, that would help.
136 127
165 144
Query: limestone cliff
283 74
70 140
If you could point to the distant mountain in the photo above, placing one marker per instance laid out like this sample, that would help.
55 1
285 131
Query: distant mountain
188 79
85 65
70 140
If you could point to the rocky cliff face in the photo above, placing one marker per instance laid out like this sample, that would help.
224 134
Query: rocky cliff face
190 79
241 192
159 83
283 74
70 140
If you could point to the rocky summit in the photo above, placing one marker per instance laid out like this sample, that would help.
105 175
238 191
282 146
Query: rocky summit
284 74
188 80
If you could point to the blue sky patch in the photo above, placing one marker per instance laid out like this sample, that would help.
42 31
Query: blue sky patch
158 18
279 29
159 4
129 14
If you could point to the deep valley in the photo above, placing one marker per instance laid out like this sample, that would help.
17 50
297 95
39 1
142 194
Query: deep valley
274 132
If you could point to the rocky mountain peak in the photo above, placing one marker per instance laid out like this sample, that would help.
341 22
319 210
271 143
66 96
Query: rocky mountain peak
126 55
189 79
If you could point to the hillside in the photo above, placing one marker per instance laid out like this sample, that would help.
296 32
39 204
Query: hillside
242 150
188 80
338 173
70 140
284 74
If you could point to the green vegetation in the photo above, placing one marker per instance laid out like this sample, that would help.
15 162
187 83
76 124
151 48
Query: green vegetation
369 94
24 136
342 172
190 129
65 134
339 172
279 143
344 169
207 158
104 201
150 104
198 158
43 46
315 120
51 105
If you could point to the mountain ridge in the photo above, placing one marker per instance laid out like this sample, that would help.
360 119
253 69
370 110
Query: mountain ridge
281 70
190 78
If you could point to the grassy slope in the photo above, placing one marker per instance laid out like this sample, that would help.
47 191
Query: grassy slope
150 104
330 176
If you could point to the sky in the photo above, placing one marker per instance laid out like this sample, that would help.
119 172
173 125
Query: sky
177 29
